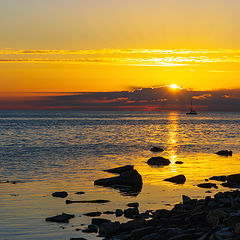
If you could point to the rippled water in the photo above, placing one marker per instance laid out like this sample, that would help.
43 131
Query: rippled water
54 151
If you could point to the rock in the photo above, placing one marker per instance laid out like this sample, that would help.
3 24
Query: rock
233 181
109 229
179 179
178 162
214 216
93 214
156 149
60 194
186 199
237 228
207 185
125 178
81 192
141 232
158 161
108 212
87 201
131 212
184 236
133 224
225 153
63 218
119 212
120 169
78 238
90 229
134 205
99 221
222 178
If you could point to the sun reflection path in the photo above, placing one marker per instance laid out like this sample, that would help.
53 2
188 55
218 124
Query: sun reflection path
173 139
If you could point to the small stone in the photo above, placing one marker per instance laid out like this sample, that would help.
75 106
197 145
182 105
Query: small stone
80 192
158 161
131 212
108 212
225 153
63 218
179 179
207 185
178 162
99 221
134 205
92 214
119 212
156 149
62 194
90 229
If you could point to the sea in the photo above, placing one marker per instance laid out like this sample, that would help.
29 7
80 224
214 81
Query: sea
46 151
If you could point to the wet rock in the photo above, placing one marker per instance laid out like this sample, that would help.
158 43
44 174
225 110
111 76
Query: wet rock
131 212
141 232
99 221
179 179
93 214
237 228
109 229
108 212
184 236
134 205
207 185
90 229
62 194
178 162
133 224
63 218
156 149
222 178
80 192
214 216
87 201
225 153
119 212
186 199
158 161
121 169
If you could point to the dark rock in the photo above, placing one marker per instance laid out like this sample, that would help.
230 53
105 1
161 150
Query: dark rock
141 232
225 153
219 178
158 161
78 238
90 229
87 201
108 212
134 205
119 170
60 194
99 221
133 224
80 192
63 218
233 181
179 179
131 212
119 212
156 149
186 199
93 214
178 162
214 216
207 185
184 236
109 229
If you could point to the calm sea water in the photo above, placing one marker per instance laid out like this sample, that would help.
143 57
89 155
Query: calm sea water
55 151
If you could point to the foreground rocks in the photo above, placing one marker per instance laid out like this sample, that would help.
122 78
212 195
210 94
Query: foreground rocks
210 218
128 182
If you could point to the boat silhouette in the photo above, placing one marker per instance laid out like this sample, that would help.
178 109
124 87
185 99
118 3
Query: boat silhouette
192 112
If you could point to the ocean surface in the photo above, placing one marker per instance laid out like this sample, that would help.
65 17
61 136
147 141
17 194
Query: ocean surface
46 151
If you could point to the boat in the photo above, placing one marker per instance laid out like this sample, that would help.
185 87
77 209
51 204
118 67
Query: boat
192 112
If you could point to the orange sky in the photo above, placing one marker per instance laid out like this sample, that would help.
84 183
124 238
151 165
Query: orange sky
78 46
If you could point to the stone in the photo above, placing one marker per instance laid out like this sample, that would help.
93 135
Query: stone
141 232
87 201
157 149
179 179
131 212
108 212
225 153
222 178
119 212
178 162
158 161
63 218
120 169
62 194
186 199
90 229
78 238
134 205
207 185
237 228
214 216
80 192
99 221
133 224
109 229
92 214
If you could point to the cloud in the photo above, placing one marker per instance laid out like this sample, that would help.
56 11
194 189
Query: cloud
145 99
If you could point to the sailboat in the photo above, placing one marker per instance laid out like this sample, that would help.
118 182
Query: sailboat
192 112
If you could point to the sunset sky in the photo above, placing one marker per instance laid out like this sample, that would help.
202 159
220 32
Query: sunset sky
74 46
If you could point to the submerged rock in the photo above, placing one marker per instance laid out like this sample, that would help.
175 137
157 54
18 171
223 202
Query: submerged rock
131 212
99 221
179 179
222 178
120 169
233 181
87 201
119 212
178 162
63 218
78 238
157 149
207 185
80 192
158 161
93 214
225 153
109 229
62 194
90 229
135 204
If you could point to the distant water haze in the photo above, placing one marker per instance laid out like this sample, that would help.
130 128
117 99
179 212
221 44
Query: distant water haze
47 151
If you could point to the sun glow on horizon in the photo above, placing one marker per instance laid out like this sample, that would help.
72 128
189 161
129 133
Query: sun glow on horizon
174 86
